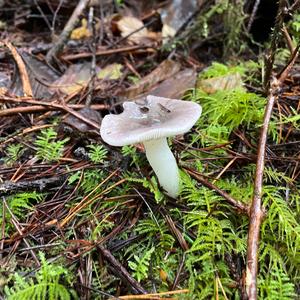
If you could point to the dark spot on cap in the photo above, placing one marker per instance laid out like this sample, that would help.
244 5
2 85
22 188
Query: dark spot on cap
144 109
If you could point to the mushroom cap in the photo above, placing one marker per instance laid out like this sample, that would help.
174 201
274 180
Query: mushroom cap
148 119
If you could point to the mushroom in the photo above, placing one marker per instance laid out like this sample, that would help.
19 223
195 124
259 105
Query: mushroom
150 121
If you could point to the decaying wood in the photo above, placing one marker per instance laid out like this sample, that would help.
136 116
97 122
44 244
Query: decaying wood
41 185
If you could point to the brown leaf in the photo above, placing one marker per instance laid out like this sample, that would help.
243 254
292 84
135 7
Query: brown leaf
175 86
81 126
40 75
165 70
134 30
75 78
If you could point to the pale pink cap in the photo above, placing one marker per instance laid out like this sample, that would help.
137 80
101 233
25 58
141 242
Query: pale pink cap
151 118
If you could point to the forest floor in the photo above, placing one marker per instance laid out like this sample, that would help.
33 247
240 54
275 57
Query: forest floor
81 219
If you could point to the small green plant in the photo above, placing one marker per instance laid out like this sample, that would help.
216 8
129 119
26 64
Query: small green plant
140 265
47 148
132 153
89 179
97 153
217 69
13 153
151 184
46 284
19 204
133 79
294 25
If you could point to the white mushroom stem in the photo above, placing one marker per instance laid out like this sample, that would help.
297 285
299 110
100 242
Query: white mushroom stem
164 165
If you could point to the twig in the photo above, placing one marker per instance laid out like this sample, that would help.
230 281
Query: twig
274 42
19 229
239 206
294 7
55 16
121 271
22 69
176 232
256 210
151 296
103 52
42 14
253 13
92 46
41 108
9 187
57 47
178 272
52 105
288 39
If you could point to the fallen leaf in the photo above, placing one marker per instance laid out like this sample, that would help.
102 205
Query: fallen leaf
226 82
81 126
165 70
112 71
40 75
175 86
75 78
134 30
175 15
128 26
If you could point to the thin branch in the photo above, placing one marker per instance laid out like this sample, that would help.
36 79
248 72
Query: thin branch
20 229
253 13
239 206
256 210
41 108
59 44
274 42
22 69
69 57
121 272
288 39
52 105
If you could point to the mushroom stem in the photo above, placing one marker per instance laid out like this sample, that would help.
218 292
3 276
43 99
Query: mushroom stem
164 165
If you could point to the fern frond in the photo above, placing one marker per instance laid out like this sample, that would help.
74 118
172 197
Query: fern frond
45 286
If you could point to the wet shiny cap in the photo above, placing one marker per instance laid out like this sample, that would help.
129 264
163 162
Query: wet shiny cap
151 118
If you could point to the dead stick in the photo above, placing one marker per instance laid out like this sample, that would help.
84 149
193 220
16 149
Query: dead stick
104 52
39 108
40 185
19 229
22 69
51 104
256 210
121 272
235 203
274 43
52 53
